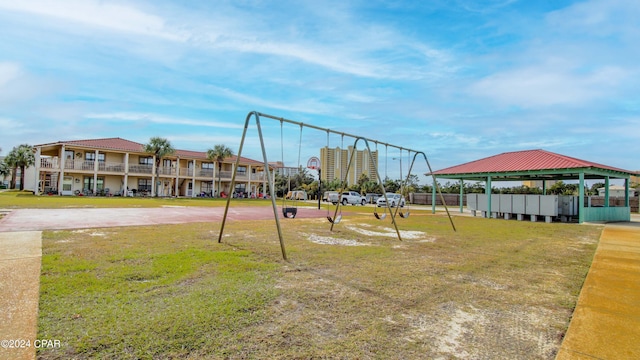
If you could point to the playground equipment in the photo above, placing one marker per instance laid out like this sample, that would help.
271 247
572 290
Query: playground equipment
269 177
289 212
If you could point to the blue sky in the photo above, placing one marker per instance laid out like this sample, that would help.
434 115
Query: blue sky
458 80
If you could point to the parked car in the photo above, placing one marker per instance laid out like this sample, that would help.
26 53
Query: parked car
372 198
332 196
394 199
353 198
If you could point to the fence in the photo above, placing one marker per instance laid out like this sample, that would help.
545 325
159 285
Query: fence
454 200
597 201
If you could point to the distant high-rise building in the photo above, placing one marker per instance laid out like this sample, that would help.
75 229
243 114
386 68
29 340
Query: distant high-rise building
334 162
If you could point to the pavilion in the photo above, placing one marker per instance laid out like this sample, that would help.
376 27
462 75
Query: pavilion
541 165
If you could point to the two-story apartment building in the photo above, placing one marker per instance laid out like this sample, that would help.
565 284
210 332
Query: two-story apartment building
116 166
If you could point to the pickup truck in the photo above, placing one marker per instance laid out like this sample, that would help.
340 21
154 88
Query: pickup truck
332 196
353 198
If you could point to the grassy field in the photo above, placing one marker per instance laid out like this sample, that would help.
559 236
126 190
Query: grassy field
493 289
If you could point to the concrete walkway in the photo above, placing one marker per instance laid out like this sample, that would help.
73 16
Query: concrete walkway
20 261
606 321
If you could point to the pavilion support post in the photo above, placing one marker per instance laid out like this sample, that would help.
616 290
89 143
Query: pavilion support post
581 209
461 195
488 192
606 192
433 197
626 194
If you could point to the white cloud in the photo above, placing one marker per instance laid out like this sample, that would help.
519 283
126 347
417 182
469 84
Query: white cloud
161 119
598 17
8 72
94 13
546 86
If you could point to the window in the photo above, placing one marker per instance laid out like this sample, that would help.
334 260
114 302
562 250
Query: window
145 160
90 156
88 183
207 186
144 185
242 170
207 165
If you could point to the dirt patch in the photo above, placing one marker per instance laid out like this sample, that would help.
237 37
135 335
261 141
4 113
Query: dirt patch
327 240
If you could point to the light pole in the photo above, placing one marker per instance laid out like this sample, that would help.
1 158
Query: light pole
399 158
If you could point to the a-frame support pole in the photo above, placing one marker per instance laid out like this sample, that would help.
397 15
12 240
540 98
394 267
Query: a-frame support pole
435 186
268 174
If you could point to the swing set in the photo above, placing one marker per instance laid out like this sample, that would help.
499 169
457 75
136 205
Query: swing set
290 211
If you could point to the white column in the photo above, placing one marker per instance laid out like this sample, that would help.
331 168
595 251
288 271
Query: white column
62 165
126 175
175 193
95 174
193 179
250 174
153 177
36 187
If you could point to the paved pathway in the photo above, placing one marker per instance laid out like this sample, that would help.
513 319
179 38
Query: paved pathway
606 321
20 260
80 218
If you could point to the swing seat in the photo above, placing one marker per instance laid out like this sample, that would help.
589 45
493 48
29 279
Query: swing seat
289 212
336 220
380 216
404 215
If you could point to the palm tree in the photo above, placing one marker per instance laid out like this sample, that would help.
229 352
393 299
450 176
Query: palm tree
5 169
22 157
160 147
218 154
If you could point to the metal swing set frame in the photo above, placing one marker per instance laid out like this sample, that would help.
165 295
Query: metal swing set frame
336 218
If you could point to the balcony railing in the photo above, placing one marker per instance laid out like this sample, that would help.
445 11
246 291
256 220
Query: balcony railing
49 163
206 173
166 171
141 169
111 167
79 165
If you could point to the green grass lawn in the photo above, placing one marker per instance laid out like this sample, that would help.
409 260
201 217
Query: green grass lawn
493 289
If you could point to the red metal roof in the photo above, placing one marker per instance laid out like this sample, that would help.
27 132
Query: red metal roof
525 160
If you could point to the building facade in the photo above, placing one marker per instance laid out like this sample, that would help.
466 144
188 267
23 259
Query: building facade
334 163
116 166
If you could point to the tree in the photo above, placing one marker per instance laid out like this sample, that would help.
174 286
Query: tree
391 186
218 154
22 157
5 170
595 187
159 147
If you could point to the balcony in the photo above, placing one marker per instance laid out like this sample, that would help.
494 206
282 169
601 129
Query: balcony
140 169
205 173
49 163
86 165
258 177
186 172
167 171
114 167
